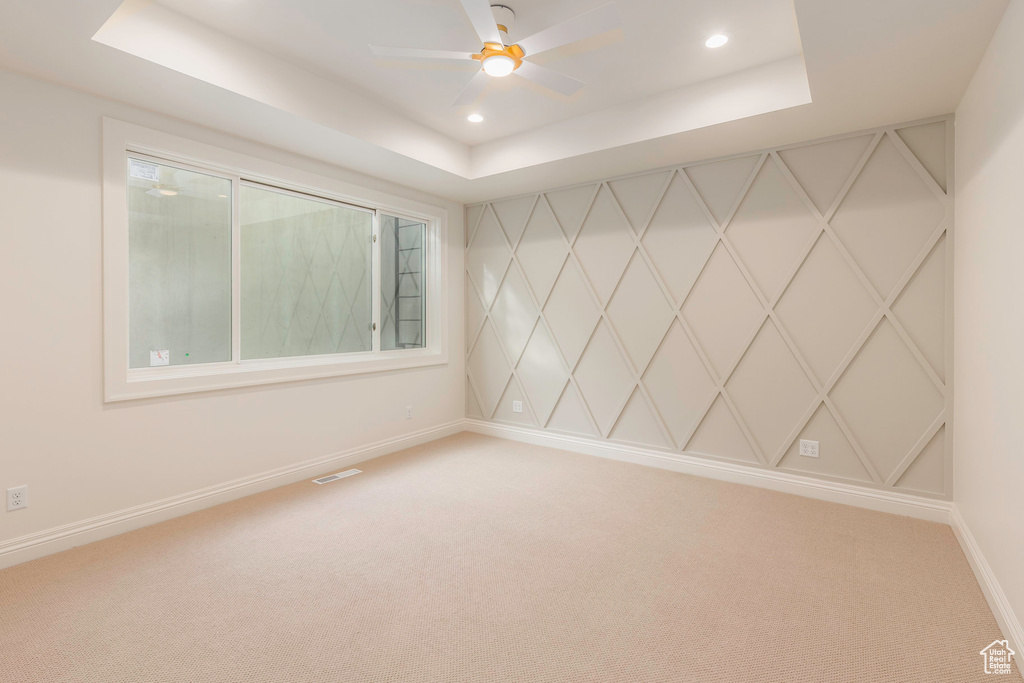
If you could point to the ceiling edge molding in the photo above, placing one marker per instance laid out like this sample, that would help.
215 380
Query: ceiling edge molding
152 32
759 90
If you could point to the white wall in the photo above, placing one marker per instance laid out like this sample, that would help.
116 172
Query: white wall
989 305
82 458
729 309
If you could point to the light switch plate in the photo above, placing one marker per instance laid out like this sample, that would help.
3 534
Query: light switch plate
808 448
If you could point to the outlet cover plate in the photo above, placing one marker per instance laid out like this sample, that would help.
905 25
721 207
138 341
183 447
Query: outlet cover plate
517 406
808 449
17 498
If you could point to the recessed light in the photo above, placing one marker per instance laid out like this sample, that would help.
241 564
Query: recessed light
475 118
717 40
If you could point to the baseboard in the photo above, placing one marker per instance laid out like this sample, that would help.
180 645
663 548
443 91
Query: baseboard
919 507
1001 608
33 546
905 504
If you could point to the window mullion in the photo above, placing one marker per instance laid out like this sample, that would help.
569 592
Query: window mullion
375 280
236 270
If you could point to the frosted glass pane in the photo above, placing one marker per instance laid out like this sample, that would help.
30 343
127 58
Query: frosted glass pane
403 264
305 276
179 254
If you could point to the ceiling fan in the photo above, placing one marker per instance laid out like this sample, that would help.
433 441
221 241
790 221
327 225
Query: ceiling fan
500 57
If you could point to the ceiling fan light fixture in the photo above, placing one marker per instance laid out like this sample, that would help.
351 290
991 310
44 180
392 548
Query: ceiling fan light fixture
499 65
717 40
500 57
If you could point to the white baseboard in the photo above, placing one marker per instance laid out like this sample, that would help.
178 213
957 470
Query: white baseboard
1001 608
943 511
33 546
905 504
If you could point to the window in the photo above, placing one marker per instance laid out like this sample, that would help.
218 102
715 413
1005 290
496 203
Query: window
179 254
306 275
222 270
402 266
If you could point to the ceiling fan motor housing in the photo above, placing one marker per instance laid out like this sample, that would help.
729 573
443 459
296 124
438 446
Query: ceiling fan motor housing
501 59
513 52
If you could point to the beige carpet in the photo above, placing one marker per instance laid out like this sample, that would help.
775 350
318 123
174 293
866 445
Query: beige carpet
474 559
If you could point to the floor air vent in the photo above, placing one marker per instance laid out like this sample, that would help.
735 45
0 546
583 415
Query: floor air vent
336 476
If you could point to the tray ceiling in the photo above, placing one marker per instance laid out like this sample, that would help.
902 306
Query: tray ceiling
298 75
659 48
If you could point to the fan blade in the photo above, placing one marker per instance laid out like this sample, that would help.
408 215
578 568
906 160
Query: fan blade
472 89
552 80
480 15
417 53
586 25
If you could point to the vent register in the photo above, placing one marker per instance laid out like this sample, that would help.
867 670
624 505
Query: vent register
336 476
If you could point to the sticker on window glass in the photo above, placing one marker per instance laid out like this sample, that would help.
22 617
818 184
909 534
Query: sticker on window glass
161 357
143 171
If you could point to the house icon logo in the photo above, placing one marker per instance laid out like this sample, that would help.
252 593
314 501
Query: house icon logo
998 656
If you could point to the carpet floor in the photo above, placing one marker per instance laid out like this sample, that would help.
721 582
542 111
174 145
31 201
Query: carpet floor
477 559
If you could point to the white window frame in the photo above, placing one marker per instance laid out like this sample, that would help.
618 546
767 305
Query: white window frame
121 383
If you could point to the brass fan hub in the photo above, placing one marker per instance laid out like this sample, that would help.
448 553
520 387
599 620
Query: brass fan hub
514 52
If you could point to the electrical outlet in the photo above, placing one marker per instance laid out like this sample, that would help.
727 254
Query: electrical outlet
808 448
517 406
408 412
17 498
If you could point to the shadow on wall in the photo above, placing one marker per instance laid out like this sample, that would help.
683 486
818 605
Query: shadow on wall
995 97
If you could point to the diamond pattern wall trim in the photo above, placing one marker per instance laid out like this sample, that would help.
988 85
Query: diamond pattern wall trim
727 309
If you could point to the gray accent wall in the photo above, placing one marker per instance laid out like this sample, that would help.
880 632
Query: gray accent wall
728 309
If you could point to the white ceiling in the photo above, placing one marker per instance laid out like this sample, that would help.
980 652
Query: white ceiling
296 74
659 48
164 36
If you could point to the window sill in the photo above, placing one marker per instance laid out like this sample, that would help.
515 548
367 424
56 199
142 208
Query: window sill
187 379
